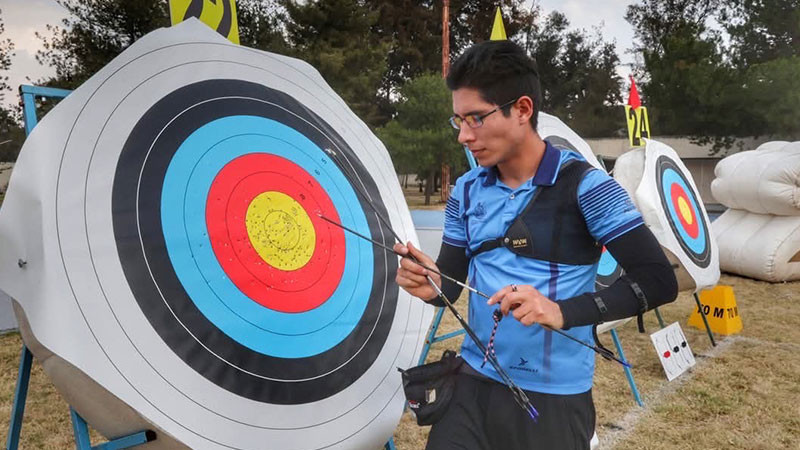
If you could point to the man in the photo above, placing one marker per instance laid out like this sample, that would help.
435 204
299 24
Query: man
529 224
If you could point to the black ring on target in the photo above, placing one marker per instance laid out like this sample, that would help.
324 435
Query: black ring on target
140 240
670 179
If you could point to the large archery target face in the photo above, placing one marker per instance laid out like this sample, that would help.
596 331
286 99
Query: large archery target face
227 194
209 294
682 210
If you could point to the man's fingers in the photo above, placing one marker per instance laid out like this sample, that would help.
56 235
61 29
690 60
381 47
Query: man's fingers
412 276
522 311
511 301
400 248
413 267
419 254
498 296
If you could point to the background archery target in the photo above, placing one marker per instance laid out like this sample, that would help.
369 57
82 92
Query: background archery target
667 197
203 290
680 202
560 135
608 271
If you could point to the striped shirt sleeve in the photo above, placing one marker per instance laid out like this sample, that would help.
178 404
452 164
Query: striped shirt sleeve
454 225
606 206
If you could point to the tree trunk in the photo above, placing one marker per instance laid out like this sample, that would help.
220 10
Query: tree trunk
445 182
429 186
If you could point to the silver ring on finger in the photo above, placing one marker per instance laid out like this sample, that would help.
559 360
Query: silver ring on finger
514 288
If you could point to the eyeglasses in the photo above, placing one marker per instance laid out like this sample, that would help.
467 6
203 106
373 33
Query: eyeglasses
475 120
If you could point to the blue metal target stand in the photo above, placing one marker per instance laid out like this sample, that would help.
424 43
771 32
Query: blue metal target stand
79 426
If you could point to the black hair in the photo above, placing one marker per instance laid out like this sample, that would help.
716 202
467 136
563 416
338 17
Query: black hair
500 71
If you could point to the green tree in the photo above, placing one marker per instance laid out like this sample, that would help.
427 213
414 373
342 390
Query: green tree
96 31
472 20
93 34
414 30
688 83
6 52
765 37
578 74
335 37
419 138
697 84
763 30
11 134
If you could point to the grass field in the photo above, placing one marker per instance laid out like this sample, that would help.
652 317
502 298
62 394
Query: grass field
742 394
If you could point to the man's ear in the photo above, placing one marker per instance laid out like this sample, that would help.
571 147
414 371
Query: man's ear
525 107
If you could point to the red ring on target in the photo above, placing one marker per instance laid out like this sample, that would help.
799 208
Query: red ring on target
677 193
231 193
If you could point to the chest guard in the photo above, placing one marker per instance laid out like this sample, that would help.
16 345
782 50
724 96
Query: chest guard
552 227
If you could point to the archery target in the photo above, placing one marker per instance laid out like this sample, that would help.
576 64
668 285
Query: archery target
673 210
552 129
188 187
682 209
608 271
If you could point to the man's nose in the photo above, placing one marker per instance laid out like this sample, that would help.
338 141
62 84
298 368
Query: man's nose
465 134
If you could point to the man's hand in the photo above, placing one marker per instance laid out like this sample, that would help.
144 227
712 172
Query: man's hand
529 306
412 277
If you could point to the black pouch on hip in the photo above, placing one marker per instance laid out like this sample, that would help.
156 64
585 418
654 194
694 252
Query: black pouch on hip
429 387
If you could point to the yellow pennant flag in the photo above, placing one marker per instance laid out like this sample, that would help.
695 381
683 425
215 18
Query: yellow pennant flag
498 30
220 15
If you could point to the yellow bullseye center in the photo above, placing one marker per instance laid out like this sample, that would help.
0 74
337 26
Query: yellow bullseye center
686 211
280 230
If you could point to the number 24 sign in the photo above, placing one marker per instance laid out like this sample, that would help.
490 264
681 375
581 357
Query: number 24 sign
638 125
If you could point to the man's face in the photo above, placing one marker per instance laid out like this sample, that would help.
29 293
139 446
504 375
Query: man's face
492 142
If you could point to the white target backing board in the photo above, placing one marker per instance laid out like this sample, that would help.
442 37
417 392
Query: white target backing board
168 213
7 320
666 195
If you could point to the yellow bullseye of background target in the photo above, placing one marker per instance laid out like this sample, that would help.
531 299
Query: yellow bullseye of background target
280 230
686 211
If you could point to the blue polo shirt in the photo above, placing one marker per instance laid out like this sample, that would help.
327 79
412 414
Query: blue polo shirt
481 208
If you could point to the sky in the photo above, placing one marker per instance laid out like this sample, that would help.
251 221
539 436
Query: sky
23 18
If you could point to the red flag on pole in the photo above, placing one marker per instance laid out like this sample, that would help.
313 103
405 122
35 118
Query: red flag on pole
633 96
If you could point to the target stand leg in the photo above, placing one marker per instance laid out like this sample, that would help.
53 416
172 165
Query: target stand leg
660 319
20 396
705 320
83 442
628 373
432 338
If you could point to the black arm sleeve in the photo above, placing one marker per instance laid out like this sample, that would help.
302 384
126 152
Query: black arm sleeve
452 261
640 255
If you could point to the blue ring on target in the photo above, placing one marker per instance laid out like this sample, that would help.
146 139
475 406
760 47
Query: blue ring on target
187 183
669 177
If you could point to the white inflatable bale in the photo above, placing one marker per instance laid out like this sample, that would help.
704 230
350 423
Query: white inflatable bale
82 315
763 181
664 192
761 246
